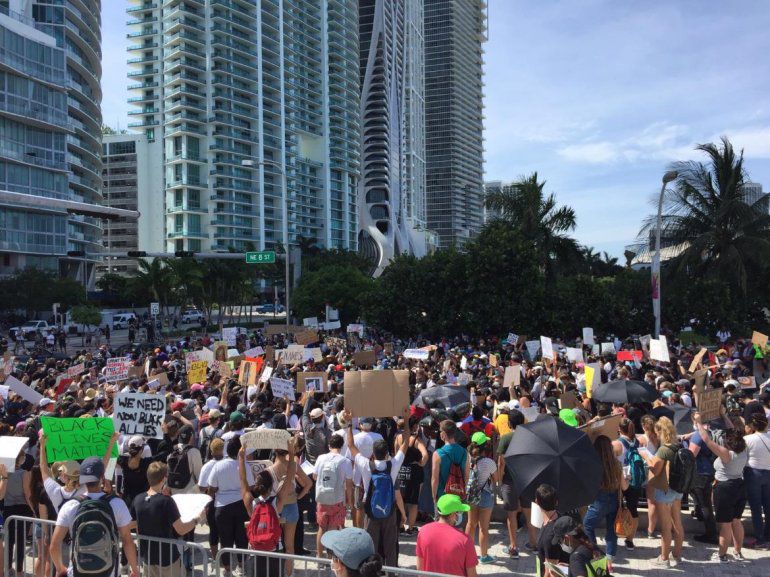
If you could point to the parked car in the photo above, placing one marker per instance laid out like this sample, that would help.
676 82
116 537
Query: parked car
122 320
270 308
30 328
192 316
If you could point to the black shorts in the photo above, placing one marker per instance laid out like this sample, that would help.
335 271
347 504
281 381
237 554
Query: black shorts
631 496
510 497
729 500
411 483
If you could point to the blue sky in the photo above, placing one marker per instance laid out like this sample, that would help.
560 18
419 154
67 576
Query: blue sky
597 96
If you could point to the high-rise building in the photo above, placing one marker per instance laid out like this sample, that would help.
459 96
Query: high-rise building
753 194
455 31
271 83
392 187
132 180
492 186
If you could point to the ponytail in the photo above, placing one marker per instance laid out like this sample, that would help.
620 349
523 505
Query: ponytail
370 567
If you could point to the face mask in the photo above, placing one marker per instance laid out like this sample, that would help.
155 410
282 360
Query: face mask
459 520
489 405
134 451
566 548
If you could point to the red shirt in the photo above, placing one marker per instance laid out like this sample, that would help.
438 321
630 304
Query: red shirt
445 549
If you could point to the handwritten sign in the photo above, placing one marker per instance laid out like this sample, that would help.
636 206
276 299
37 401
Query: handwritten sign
10 449
364 358
574 354
310 321
416 354
512 376
282 388
24 391
311 381
289 356
74 439
588 337
759 339
200 355
331 325
197 371
532 348
255 352
607 427
696 360
306 337
547 347
709 403
117 370
190 505
659 349
139 414
512 339
76 370
265 439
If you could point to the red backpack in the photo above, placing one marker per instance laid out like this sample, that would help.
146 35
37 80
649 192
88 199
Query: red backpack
455 482
264 529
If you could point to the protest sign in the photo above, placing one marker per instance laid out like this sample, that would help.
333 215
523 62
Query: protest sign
588 337
464 363
6 366
531 414
659 350
247 373
4 391
255 352
645 342
376 393
593 372
512 376
74 439
25 392
267 372
463 379
311 381
220 350
135 372
696 360
356 328
117 369
153 385
547 347
190 505
306 337
162 378
62 383
365 359
310 321
709 403
608 427
532 348
416 354
759 339
197 372
76 370
10 449
260 439
331 325
512 339
747 383
289 356
139 414
199 355
493 360
282 388
574 355
230 335
630 356
700 380
608 348
568 400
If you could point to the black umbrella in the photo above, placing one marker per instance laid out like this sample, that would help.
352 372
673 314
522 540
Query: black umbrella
680 415
548 451
622 392
442 397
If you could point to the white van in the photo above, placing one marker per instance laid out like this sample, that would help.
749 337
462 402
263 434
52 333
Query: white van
120 321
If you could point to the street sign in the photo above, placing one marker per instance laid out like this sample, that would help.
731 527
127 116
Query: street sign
262 257
155 309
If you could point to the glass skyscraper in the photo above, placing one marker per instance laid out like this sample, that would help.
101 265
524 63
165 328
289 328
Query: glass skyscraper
273 82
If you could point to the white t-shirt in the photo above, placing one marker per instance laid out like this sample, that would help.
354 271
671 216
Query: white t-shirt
231 435
344 472
58 495
203 482
758 446
224 477
365 442
345 451
362 468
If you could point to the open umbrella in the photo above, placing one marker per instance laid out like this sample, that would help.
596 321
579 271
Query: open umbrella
548 451
442 397
623 392
680 415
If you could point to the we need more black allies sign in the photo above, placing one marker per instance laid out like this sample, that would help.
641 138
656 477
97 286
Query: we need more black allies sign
139 414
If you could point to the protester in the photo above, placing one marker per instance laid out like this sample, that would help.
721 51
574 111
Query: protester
442 547
757 477
353 553
483 476
412 472
511 501
333 475
570 536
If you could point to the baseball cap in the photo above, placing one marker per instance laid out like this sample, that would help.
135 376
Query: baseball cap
563 526
236 416
185 434
44 402
91 470
214 414
568 417
448 504
479 438
351 546
316 413
136 441
178 406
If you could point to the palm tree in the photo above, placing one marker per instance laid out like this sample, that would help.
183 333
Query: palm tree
525 206
707 213
156 277
187 276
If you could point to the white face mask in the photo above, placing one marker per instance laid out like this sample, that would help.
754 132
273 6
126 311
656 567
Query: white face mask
566 548
459 520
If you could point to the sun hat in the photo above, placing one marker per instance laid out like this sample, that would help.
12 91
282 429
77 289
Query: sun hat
448 504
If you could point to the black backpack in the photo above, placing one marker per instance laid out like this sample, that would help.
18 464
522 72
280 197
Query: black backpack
206 443
95 544
681 471
179 473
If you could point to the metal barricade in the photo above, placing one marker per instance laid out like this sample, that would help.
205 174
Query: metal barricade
253 563
171 557
25 544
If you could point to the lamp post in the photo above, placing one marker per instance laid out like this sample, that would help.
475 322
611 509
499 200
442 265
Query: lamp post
285 201
668 177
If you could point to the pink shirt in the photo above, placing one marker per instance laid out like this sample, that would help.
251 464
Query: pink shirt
445 549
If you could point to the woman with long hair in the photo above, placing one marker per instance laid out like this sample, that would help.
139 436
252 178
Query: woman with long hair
650 441
606 504
729 489
486 475
412 474
669 502
757 476
629 444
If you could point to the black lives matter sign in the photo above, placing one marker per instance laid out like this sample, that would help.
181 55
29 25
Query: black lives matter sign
139 414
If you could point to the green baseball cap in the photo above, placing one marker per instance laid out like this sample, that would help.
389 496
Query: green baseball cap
479 438
568 417
448 504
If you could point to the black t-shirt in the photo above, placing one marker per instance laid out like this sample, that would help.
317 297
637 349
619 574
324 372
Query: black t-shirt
578 560
155 517
134 480
545 548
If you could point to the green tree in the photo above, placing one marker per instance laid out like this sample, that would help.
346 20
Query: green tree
86 315
344 288
156 277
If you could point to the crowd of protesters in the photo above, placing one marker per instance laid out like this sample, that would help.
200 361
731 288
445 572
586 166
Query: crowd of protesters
437 470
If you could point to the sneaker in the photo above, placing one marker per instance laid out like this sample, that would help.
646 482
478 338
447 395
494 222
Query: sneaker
486 559
717 558
653 535
740 558
513 553
674 561
630 545
660 563
530 548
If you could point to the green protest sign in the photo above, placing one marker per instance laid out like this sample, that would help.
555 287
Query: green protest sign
73 439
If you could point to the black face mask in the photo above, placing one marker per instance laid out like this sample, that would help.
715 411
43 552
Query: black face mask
134 451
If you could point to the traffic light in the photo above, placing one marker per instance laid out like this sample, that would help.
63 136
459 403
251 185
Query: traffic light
80 253
136 254
184 254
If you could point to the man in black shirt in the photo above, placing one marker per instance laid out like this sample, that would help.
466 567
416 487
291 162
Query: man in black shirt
157 515
547 499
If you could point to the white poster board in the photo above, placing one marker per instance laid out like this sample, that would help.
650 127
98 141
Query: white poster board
588 337
230 335
190 505
659 350
25 392
574 354
416 354
282 388
10 447
265 439
547 346
139 414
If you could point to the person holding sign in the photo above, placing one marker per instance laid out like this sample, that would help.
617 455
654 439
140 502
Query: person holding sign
70 470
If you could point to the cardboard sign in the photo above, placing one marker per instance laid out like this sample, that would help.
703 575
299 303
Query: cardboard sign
315 382
282 388
25 392
512 376
73 439
79 369
696 360
162 378
230 335
574 355
659 350
265 439
700 381
365 359
199 355
197 372
532 348
588 337
709 403
608 427
248 373
117 370
290 356
376 393
139 414
306 337
759 339
547 347
493 360
310 321
416 354
568 400
10 449
135 372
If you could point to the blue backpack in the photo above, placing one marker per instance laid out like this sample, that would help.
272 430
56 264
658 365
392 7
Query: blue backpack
636 464
381 495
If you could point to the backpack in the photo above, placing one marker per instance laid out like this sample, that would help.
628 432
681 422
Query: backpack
635 463
326 484
455 482
179 473
681 471
381 495
474 489
206 443
95 545
264 528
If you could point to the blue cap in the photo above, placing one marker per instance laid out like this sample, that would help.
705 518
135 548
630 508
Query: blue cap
352 546
91 470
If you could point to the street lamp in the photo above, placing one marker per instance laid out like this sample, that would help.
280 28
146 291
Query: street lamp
668 177
285 199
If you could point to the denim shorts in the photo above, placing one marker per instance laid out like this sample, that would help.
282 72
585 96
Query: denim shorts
668 497
487 500
290 513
